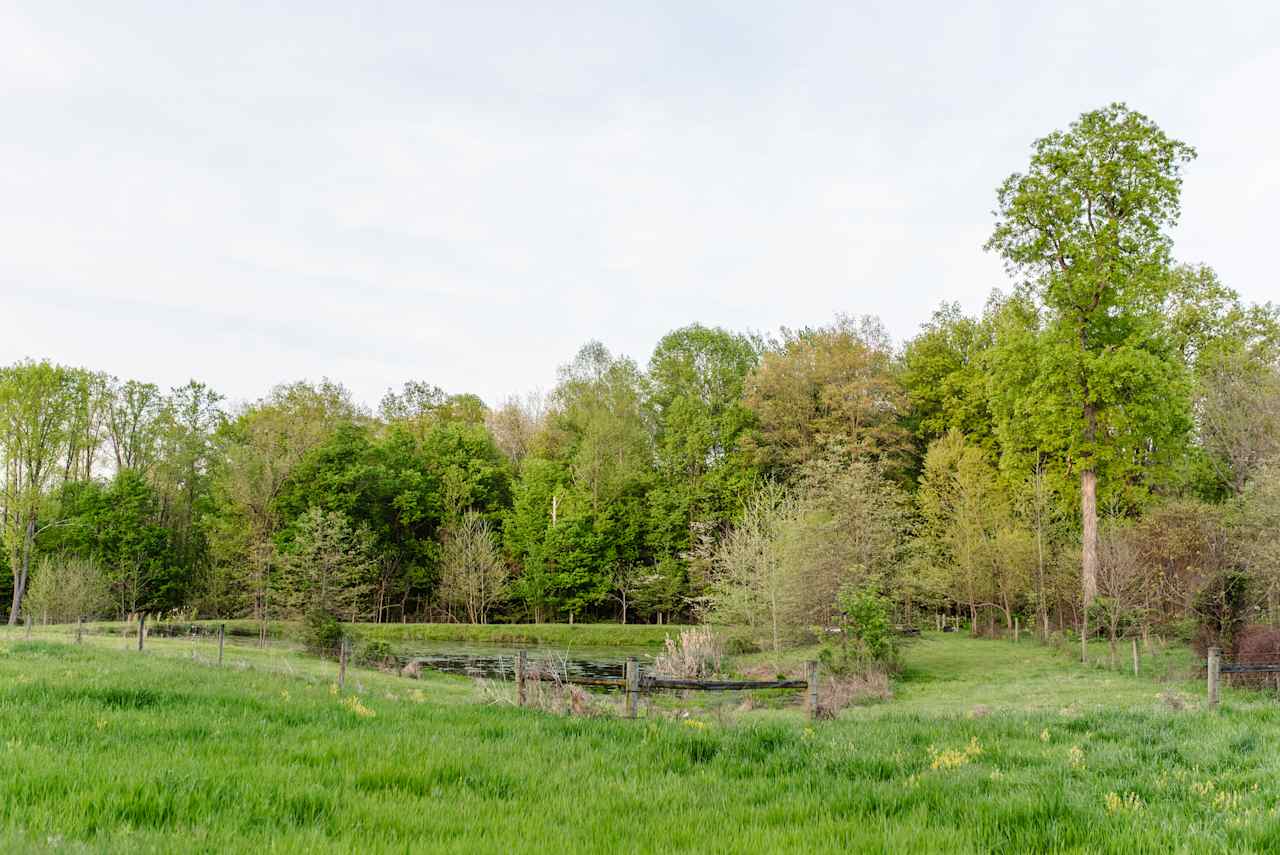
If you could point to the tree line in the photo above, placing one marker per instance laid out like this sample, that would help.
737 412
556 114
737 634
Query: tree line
1098 444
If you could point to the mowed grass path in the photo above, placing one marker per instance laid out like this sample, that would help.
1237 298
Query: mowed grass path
104 750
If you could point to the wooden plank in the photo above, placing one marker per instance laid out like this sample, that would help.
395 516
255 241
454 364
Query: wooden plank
1248 669
720 685
620 682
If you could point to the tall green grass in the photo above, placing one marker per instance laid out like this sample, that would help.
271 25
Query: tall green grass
108 750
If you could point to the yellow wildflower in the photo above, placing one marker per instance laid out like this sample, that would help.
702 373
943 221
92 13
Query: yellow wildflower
1130 802
353 703
1075 757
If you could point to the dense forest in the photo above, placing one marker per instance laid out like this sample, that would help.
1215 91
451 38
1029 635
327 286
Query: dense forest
1102 440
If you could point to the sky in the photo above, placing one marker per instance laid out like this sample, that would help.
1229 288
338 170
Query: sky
465 193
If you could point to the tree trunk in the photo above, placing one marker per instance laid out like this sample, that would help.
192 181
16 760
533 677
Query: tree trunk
23 571
1089 535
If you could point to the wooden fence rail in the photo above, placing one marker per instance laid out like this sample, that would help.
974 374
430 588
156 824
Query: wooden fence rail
1215 668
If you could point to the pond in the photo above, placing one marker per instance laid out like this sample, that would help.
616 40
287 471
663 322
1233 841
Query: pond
496 660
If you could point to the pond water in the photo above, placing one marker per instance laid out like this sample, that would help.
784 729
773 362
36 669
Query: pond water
496 660
473 659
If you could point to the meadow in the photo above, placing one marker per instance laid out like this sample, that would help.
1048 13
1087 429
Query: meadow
986 745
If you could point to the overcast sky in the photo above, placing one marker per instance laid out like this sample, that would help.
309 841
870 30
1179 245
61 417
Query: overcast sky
464 193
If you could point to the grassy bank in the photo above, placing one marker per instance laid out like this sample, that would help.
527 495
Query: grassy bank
987 746
560 635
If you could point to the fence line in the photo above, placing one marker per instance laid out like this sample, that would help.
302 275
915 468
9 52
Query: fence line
633 683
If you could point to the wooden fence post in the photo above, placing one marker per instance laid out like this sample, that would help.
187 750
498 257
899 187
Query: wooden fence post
1215 662
142 629
79 630
633 685
222 632
342 663
1135 656
811 693
1017 629
28 622
522 662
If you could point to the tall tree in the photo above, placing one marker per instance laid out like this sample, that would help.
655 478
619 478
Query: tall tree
696 381
822 387
36 401
260 450
1088 226
190 420
133 423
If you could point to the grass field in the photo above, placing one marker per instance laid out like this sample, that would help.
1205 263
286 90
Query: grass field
986 746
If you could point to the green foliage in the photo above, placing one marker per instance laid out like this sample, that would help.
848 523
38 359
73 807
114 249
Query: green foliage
328 568
375 653
321 632
866 616
65 589
1222 606
119 527
822 388
696 383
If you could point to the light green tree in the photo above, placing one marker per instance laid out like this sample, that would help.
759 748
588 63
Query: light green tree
473 574
328 569
964 508
751 582
36 402
66 588
1087 228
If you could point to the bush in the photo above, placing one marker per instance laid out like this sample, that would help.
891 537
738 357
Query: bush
321 632
867 623
376 654
1221 606
737 645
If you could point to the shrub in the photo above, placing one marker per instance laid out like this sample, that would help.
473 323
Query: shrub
738 645
376 654
321 632
1221 606
866 617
